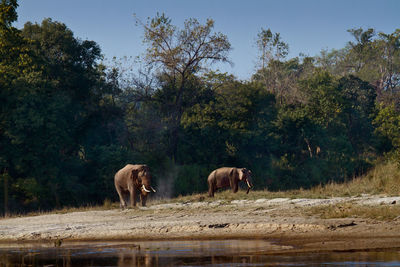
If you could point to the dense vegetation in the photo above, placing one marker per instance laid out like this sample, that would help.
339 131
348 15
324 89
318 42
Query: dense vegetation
68 122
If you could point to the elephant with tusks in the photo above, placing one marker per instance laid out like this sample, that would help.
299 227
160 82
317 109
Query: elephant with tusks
129 180
228 177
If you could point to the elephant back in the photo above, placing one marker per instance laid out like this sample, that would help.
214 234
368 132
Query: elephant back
224 176
127 170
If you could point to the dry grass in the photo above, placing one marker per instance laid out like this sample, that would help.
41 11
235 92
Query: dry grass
383 179
349 210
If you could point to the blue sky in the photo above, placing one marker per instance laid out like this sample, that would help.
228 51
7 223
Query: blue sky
308 26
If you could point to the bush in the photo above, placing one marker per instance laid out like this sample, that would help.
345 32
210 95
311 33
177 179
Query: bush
191 179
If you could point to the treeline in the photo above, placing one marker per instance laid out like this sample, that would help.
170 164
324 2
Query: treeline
68 122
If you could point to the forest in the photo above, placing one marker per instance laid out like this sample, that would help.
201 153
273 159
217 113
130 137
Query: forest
68 121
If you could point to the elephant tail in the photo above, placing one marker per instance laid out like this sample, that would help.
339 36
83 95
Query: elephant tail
214 179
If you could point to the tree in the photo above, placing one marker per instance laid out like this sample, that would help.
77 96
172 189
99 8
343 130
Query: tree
18 68
179 54
56 118
272 51
281 78
276 74
374 58
389 61
361 48
326 137
334 61
358 98
387 124
7 36
271 47
235 122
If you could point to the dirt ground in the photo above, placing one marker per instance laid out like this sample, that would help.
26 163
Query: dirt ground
282 220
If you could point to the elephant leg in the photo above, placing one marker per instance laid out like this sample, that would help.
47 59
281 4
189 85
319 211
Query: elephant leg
143 199
133 197
122 201
125 195
210 190
235 187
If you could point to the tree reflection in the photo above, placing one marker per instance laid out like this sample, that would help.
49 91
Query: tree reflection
136 259
179 253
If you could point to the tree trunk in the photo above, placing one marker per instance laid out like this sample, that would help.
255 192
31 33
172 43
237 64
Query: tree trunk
176 121
5 185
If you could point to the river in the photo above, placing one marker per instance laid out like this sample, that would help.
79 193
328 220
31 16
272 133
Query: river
184 253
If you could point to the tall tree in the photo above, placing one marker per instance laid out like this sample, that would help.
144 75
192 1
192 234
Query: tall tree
55 117
281 78
361 48
389 62
178 54
274 73
20 74
271 47
9 67
375 58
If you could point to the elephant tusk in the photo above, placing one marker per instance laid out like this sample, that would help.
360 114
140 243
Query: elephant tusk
153 189
144 189
248 184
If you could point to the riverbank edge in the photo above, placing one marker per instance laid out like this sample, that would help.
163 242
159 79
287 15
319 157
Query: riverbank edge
290 243
282 221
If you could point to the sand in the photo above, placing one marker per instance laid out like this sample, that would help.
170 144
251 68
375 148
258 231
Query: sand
282 220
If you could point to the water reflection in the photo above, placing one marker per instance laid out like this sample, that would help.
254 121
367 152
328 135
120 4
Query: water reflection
182 253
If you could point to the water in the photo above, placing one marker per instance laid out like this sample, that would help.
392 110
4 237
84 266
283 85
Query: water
184 253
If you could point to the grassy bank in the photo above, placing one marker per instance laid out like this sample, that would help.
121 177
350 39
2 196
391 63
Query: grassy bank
349 210
383 179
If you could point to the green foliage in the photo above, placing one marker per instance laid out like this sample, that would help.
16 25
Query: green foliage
235 124
190 179
179 55
271 47
358 112
102 163
327 137
281 78
373 57
52 88
387 124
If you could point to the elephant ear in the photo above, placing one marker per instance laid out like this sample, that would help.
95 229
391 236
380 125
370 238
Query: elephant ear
144 168
134 175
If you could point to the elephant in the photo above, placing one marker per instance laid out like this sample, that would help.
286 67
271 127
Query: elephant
129 180
228 176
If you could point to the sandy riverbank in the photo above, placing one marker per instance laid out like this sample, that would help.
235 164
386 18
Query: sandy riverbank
283 220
